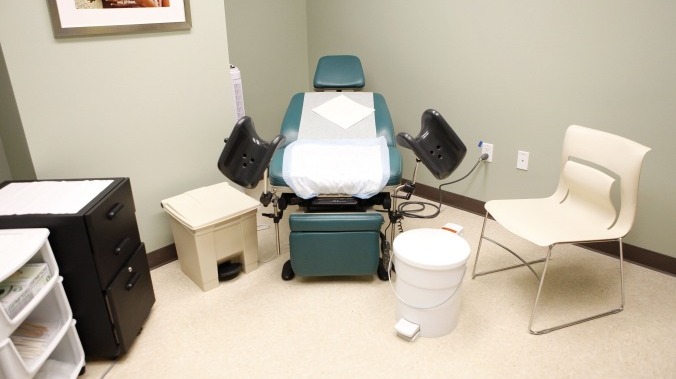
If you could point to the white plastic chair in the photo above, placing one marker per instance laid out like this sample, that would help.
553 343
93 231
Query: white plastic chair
581 209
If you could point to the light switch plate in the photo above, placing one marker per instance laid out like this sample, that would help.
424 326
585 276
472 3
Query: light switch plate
522 160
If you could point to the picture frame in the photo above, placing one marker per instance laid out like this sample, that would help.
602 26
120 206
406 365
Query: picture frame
70 20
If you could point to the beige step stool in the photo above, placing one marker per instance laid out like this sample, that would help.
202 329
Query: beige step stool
211 225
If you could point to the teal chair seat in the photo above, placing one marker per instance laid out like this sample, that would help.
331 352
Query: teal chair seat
291 125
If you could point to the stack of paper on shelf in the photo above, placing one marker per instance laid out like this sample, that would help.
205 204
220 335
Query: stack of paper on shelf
31 339
20 288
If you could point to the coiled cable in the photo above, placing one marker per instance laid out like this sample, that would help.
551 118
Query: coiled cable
405 210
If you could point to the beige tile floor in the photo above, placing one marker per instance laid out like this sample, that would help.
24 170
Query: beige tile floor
259 326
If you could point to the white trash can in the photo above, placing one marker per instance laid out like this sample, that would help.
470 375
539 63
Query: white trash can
430 265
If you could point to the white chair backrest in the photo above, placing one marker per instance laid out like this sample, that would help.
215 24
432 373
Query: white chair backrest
619 155
589 193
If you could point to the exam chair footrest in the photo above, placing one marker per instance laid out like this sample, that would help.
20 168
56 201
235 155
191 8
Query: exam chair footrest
335 244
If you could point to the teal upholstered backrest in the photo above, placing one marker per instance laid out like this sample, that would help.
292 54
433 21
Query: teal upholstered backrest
291 123
339 72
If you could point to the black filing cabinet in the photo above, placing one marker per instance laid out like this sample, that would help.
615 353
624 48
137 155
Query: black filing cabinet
104 267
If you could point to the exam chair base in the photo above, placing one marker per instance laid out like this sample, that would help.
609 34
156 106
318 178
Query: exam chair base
287 271
288 274
334 244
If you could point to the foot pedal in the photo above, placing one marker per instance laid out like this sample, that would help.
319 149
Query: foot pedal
228 270
407 330
453 228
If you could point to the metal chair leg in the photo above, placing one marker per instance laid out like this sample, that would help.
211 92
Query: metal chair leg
621 275
561 326
523 261
478 249
537 297
541 279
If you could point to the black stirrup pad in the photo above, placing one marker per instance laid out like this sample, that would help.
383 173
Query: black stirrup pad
245 155
437 146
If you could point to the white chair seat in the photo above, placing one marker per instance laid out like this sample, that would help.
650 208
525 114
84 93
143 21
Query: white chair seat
561 224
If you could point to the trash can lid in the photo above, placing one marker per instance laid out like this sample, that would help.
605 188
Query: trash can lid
431 249
206 206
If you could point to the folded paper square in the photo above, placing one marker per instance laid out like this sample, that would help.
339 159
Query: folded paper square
343 112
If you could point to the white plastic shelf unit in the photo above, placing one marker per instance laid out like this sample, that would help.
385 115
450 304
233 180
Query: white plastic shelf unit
60 353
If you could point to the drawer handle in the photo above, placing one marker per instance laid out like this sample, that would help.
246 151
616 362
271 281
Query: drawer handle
120 246
132 281
115 210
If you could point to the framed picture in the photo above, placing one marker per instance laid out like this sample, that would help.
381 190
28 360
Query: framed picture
72 18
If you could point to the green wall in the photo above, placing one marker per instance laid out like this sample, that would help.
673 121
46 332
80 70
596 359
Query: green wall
12 137
154 107
267 41
515 74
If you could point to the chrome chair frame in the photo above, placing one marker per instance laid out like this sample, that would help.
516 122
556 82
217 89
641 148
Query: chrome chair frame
541 278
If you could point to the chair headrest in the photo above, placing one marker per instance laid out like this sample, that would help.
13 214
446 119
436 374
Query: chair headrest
339 72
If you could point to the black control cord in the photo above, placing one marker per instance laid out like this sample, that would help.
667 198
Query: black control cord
482 158
421 205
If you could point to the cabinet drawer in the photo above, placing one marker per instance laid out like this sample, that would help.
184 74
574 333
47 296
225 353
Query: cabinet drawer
130 297
113 232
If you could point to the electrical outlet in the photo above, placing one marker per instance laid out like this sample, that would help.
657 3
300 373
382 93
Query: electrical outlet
487 148
522 160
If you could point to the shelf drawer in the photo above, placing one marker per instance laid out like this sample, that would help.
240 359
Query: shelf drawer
53 313
113 232
67 359
130 297
35 241
7 326
64 362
